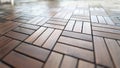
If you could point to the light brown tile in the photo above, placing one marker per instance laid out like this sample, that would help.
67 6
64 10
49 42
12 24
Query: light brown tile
76 42
114 51
84 64
69 62
54 60
29 26
70 25
78 26
77 35
76 52
36 34
108 35
43 37
101 52
54 26
52 39
86 28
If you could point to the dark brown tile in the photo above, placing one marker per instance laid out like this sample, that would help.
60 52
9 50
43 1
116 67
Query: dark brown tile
20 61
17 35
33 51
35 35
24 30
8 47
2 65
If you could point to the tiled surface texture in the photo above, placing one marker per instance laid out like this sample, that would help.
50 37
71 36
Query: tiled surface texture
60 34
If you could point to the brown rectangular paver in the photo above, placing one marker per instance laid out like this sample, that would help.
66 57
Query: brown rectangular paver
86 28
76 42
8 47
76 52
58 19
114 49
100 67
118 42
106 30
54 60
56 22
29 26
33 51
52 39
101 52
5 27
43 37
69 62
101 19
17 35
24 30
108 20
70 25
78 26
106 26
2 65
108 35
84 64
38 20
20 61
43 21
32 21
36 34
94 19
77 35
54 26
4 40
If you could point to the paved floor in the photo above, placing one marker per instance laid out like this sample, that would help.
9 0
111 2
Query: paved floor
60 34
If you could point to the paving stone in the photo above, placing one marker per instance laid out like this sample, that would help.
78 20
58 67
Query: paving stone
43 37
69 62
83 64
35 35
54 26
54 60
77 35
4 40
6 27
20 61
8 47
108 35
76 42
76 52
2 65
33 51
106 30
101 51
24 30
17 35
52 39
114 51
29 26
